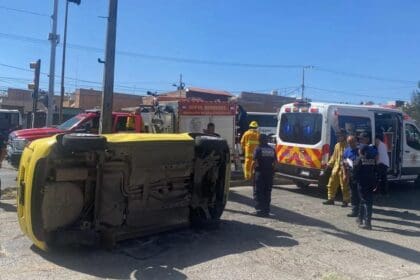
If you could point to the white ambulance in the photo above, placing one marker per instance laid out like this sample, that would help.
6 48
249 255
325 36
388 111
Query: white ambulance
306 138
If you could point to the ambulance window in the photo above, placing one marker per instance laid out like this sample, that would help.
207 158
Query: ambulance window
301 128
412 136
355 125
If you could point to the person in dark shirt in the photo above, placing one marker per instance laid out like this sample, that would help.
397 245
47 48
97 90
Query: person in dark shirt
263 166
211 130
365 177
349 157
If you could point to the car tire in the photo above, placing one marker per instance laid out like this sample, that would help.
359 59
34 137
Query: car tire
206 146
83 142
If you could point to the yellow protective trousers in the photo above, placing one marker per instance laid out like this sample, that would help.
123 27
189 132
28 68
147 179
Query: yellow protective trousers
337 179
249 142
248 168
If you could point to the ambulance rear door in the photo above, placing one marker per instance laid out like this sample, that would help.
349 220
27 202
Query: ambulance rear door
353 119
299 145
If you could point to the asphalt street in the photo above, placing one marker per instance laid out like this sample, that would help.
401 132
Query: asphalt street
303 239
7 176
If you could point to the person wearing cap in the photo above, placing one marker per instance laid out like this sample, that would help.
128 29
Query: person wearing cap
365 177
263 167
337 173
249 142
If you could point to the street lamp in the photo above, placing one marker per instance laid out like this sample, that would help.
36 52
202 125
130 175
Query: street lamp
63 61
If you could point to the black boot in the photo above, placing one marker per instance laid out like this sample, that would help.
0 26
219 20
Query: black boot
328 202
367 225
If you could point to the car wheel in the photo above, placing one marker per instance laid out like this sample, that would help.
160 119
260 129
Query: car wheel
82 142
212 162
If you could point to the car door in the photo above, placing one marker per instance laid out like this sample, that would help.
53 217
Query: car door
411 149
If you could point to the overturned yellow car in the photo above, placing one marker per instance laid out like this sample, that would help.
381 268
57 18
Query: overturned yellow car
98 189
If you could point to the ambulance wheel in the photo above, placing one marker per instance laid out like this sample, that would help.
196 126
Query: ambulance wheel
83 142
301 185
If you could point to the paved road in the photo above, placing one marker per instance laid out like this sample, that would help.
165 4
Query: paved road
7 176
303 239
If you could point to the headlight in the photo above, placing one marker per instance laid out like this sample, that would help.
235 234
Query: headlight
19 143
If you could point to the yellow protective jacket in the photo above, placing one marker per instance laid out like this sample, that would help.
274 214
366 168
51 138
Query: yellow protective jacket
337 156
250 140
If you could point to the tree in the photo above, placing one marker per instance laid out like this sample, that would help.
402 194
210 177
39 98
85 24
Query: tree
413 108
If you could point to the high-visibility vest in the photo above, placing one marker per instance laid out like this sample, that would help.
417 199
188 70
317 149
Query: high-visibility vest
250 140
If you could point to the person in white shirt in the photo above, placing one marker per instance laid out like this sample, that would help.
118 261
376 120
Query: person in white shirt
382 164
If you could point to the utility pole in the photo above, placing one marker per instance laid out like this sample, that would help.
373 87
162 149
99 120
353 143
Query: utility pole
53 37
105 125
35 88
303 79
63 60
180 86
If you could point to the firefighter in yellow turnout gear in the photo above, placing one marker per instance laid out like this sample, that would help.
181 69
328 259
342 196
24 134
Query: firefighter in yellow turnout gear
250 140
337 174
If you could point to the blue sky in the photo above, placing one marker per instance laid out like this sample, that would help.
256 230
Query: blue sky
372 39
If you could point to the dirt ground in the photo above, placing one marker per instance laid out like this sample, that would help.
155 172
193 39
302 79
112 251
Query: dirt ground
303 239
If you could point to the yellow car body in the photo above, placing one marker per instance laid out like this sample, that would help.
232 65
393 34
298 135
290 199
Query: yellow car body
86 189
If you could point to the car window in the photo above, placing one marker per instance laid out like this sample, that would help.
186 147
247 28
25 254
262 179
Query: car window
412 136
301 128
123 124
91 125
355 125
70 123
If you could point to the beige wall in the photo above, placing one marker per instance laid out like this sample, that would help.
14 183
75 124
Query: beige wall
89 99
19 98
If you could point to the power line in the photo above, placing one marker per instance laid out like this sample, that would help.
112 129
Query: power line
15 67
348 93
135 88
24 11
155 57
292 91
363 76
211 62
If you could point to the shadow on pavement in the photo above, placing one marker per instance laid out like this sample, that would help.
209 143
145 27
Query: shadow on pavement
397 222
288 216
401 195
404 215
7 207
314 191
403 232
162 256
